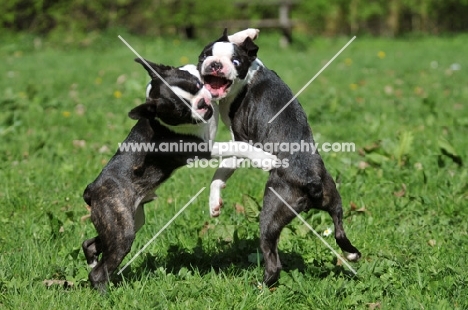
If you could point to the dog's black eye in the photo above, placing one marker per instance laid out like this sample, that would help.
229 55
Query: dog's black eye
199 85
236 62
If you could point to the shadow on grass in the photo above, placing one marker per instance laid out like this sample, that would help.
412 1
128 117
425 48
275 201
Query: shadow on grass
231 258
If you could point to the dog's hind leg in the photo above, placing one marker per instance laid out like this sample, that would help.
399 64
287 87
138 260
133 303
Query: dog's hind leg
116 234
332 203
92 248
273 217
112 256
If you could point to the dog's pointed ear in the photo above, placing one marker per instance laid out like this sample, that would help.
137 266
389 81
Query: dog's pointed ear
250 47
152 68
224 37
145 110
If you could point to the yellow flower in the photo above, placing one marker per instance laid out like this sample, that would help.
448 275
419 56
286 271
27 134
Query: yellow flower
353 86
184 60
117 94
348 61
98 81
66 114
381 54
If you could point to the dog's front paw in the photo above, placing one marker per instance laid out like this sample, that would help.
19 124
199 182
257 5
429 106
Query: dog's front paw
252 33
92 264
215 201
353 257
215 208
239 37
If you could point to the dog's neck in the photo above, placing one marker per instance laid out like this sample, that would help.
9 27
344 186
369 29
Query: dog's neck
198 130
237 86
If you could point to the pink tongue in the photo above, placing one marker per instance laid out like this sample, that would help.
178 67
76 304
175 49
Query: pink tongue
215 92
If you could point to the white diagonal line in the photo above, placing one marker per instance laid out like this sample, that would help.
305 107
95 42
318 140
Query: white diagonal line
160 77
311 80
161 230
315 233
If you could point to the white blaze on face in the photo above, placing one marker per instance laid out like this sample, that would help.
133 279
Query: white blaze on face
223 49
222 53
192 69
203 93
182 93
198 130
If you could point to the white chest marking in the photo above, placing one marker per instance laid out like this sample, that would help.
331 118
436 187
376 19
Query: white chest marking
223 49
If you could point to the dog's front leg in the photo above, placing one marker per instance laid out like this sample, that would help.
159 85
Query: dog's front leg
224 172
239 37
261 159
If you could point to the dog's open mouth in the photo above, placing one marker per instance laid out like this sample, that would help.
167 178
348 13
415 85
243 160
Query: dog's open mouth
217 85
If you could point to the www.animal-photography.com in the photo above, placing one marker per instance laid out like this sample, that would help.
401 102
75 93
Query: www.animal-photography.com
234 155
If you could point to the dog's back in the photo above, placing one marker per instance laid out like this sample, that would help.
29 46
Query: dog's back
250 112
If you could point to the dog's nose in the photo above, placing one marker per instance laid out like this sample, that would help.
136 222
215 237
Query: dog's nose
202 104
216 66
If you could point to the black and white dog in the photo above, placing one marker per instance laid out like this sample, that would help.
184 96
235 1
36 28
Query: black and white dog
174 112
249 96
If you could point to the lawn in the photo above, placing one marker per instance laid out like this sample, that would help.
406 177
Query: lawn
403 103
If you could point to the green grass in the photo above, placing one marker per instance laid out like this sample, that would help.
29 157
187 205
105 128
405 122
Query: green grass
406 112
